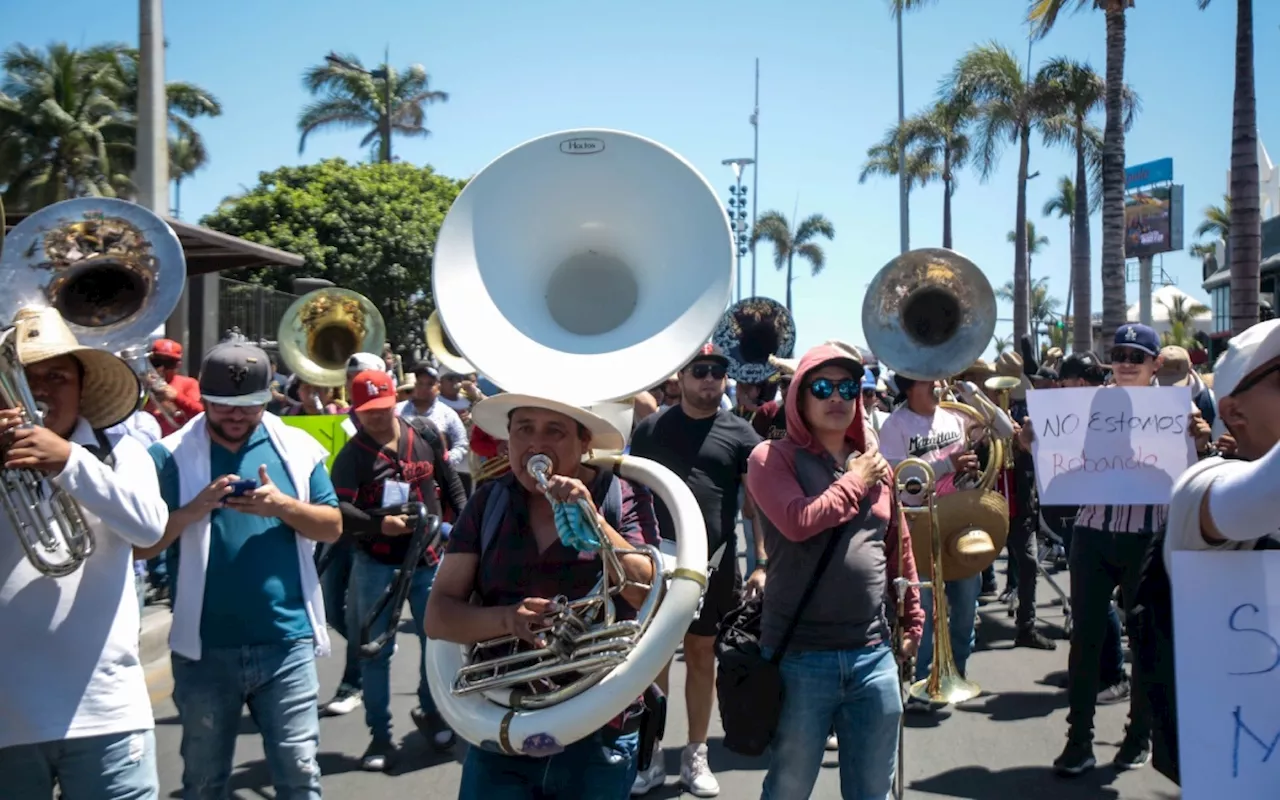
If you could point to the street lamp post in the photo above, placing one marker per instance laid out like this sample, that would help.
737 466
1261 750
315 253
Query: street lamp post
738 214
383 73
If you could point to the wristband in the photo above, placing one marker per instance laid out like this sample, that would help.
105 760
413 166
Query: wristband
762 563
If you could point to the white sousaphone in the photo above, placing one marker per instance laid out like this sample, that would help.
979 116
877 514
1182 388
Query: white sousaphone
582 267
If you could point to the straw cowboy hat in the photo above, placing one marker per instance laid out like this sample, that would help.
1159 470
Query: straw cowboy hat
109 393
493 415
1010 365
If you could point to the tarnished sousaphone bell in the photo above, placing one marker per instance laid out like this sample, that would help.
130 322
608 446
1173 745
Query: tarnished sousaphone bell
752 331
443 348
322 330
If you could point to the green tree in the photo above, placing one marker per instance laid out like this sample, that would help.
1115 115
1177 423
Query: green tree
1183 314
350 97
1008 109
1043 307
1001 344
1042 14
367 227
186 156
773 227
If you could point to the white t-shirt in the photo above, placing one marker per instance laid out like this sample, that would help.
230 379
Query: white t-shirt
1183 530
69 665
934 440
461 404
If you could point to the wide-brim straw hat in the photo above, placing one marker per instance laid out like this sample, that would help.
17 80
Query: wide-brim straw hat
493 415
109 392
1009 365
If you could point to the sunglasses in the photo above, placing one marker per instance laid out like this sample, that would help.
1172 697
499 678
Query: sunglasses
1127 355
701 371
1255 380
822 388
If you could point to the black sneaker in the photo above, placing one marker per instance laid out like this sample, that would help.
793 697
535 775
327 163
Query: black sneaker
1030 637
1134 752
1076 759
378 756
433 727
1007 594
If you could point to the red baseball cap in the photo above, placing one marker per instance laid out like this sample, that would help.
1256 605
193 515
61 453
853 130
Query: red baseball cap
167 348
372 390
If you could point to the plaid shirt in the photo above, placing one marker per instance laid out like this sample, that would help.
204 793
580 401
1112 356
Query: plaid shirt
513 569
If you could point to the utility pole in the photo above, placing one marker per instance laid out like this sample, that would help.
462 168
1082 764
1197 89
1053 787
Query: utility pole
755 175
904 187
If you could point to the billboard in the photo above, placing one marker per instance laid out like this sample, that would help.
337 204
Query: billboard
1160 171
1153 221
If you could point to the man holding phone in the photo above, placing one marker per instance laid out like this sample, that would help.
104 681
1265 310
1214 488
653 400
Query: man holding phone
248 619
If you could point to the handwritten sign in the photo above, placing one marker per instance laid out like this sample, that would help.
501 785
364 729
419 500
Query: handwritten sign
1110 445
324 428
1226 612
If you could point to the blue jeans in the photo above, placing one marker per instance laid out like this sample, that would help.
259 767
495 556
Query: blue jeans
852 692
962 610
368 581
592 769
278 682
1113 650
338 612
748 532
114 766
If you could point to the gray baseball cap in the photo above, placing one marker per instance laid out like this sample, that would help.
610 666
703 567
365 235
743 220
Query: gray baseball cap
236 374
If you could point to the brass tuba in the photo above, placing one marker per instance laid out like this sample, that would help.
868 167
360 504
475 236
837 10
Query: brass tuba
555 284
927 315
114 271
323 329
443 348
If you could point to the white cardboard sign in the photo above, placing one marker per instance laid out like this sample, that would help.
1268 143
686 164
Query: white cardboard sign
1110 445
1226 612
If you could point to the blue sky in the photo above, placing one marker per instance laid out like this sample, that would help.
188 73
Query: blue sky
681 73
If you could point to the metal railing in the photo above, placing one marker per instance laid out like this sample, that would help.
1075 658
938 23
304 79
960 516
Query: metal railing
256 310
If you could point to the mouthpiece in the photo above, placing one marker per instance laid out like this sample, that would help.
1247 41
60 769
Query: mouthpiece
914 486
42 411
539 466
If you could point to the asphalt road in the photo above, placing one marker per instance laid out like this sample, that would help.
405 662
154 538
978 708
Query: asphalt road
997 746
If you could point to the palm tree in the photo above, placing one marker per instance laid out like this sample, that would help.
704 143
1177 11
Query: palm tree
1079 91
186 156
352 97
882 161
1217 221
773 227
1182 322
1035 244
1042 307
1001 344
1007 109
1042 15
1245 234
58 108
1063 206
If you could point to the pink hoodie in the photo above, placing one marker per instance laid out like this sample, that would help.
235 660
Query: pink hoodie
771 479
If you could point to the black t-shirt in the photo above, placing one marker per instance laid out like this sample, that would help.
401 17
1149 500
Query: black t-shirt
770 421
362 468
710 455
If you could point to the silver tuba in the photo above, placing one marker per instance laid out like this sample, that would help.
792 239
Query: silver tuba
322 329
114 271
605 258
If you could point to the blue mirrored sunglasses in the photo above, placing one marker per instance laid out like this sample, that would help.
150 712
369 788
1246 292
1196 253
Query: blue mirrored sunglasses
822 388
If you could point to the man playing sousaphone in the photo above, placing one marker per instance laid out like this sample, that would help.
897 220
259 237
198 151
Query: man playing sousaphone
73 702
520 563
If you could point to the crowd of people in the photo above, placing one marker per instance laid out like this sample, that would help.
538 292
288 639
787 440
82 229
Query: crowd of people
263 542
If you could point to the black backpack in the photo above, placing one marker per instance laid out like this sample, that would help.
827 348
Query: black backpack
1154 655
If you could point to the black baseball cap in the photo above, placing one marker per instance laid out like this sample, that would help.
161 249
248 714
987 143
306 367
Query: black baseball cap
1083 365
236 374
710 352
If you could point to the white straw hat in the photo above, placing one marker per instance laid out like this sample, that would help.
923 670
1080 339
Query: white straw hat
493 415
109 392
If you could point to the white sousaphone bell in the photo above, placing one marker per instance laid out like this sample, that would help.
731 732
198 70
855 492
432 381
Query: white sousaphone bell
583 267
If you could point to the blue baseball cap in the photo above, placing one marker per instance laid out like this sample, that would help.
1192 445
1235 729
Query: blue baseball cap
1139 337
869 381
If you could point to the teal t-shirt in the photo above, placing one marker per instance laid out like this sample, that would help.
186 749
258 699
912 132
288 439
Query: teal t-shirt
253 585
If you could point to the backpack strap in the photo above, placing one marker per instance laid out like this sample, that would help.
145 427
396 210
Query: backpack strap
103 450
495 509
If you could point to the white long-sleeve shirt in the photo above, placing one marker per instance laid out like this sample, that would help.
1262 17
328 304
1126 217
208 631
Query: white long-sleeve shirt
447 422
69 664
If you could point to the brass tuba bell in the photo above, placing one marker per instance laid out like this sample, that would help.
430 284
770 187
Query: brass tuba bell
323 329
443 348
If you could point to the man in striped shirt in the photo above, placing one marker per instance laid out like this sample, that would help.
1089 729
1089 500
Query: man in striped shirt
1108 547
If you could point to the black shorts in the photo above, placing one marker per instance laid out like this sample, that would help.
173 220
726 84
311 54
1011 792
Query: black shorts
724 593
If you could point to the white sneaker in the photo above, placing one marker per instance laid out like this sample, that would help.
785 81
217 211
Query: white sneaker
832 743
653 777
695 773
346 700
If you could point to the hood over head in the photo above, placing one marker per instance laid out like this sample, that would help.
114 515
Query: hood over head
797 428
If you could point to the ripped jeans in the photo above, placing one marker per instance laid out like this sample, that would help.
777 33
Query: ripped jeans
278 683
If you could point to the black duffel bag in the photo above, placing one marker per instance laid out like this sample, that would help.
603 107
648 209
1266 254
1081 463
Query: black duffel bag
748 685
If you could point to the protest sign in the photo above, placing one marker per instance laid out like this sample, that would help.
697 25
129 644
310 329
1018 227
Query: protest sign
1226 617
324 428
1110 445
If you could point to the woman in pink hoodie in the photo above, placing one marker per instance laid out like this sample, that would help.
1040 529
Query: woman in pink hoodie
839 671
